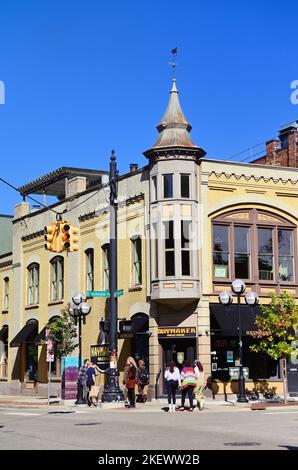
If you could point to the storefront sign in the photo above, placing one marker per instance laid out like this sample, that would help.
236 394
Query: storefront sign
234 372
99 354
177 332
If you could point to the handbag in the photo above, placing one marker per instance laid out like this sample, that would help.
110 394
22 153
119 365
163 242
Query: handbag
94 391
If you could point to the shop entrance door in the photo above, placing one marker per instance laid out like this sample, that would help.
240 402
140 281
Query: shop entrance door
292 372
177 350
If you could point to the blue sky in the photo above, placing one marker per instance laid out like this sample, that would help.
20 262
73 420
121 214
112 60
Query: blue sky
83 77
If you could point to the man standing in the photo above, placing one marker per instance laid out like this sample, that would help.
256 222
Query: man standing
82 380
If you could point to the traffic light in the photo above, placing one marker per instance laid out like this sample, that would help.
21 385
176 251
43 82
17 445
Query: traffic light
74 239
50 235
68 237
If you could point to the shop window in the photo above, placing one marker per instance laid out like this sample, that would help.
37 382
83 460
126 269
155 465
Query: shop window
169 248
57 278
185 247
89 269
167 185
106 265
285 255
265 260
33 284
136 261
184 185
6 293
242 252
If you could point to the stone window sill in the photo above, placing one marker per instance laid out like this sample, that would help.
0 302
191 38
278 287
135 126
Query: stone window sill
135 289
30 307
4 311
56 302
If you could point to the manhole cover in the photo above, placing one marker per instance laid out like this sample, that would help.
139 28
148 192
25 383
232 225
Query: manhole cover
242 444
87 424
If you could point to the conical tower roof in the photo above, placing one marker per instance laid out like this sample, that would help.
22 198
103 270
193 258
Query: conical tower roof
173 128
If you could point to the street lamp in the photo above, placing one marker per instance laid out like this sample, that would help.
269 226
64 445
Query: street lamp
79 309
251 298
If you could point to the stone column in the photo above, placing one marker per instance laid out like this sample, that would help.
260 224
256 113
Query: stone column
204 343
154 363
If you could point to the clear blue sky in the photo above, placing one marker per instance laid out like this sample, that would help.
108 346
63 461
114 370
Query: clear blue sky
83 77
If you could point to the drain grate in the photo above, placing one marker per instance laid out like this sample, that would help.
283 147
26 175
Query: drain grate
87 424
242 444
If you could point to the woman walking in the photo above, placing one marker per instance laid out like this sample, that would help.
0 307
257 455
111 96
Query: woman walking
188 384
173 381
199 370
131 376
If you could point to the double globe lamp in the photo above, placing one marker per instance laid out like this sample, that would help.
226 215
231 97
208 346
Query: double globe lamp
238 287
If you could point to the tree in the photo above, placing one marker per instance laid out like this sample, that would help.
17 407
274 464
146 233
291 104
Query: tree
276 325
63 332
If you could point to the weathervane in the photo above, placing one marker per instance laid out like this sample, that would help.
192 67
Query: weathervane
173 63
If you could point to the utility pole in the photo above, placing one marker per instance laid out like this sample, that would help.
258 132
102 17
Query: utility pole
112 391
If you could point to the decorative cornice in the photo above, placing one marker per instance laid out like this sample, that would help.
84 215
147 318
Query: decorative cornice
255 178
32 235
127 202
5 264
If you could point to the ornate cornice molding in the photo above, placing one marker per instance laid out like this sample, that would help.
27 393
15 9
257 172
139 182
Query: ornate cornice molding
238 176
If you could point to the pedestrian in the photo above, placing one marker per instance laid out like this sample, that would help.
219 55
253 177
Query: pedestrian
188 384
132 371
90 383
82 380
173 382
199 370
142 380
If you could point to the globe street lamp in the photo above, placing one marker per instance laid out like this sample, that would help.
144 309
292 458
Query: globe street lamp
251 298
79 309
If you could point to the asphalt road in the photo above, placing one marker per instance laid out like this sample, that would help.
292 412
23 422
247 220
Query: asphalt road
133 429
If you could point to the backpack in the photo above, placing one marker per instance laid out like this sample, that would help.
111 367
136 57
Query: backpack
143 376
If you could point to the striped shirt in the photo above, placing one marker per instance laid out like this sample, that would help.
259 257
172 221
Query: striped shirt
188 377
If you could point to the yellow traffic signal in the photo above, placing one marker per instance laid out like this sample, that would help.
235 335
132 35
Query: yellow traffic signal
74 239
50 236
65 235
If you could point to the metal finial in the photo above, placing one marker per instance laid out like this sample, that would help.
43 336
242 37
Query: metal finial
173 63
113 156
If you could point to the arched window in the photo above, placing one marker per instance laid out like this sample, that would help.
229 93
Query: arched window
6 293
105 266
89 269
136 248
253 245
33 284
57 278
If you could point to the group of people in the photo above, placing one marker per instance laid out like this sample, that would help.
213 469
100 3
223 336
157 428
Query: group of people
191 382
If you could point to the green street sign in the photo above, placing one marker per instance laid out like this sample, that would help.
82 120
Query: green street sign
119 292
98 293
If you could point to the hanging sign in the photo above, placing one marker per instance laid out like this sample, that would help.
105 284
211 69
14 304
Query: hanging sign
100 355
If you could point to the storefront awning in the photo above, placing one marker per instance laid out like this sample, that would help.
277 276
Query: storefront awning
40 337
4 333
224 320
26 335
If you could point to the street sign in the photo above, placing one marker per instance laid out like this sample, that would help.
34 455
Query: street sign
98 293
234 372
119 292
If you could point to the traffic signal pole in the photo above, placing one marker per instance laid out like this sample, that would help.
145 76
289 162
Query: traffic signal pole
112 391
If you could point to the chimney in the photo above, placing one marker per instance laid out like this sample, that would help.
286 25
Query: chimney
133 166
271 147
75 185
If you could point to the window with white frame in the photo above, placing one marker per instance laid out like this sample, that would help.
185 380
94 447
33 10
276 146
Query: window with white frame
6 293
89 263
57 278
185 247
33 284
169 248
106 266
136 261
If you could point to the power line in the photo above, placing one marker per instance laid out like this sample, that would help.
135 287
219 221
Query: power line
245 150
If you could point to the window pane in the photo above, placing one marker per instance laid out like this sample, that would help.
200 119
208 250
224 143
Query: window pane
265 240
169 234
170 263
168 185
285 242
241 235
185 233
185 261
220 238
154 182
242 266
184 185
221 264
285 268
266 268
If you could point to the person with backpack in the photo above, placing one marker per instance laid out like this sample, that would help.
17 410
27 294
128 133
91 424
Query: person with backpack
132 371
173 381
188 384
142 380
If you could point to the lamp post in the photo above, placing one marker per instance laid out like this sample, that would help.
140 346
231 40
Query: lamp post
251 298
79 309
112 391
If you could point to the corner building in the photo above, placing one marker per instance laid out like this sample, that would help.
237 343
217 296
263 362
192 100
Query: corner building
187 227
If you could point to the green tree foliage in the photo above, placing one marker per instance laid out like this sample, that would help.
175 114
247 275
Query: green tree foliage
276 325
63 332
